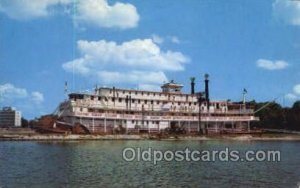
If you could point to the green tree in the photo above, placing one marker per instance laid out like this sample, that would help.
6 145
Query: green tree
24 122
271 115
293 117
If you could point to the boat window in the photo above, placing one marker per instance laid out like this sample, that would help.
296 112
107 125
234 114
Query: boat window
80 96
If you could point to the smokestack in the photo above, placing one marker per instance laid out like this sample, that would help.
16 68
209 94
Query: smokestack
206 90
192 85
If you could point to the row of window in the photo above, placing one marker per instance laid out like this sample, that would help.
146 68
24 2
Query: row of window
146 122
139 101
142 93
148 93
157 102
152 102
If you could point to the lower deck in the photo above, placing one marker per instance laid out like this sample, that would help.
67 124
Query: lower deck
128 126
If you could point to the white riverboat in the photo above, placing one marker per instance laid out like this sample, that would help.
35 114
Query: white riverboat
109 110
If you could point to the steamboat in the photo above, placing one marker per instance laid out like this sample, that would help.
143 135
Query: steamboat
111 110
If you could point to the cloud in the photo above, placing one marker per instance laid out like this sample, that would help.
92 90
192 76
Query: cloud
271 65
20 98
296 89
157 39
291 97
29 9
287 11
37 97
89 12
9 91
295 95
138 61
174 39
100 13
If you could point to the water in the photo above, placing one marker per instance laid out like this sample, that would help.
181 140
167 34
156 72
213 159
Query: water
100 164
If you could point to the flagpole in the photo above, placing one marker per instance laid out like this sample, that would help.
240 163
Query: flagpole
244 96
244 99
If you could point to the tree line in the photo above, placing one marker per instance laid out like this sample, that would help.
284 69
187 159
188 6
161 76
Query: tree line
273 116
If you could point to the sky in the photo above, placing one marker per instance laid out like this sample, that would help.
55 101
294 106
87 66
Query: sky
142 44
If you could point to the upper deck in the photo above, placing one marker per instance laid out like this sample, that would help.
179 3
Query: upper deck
170 99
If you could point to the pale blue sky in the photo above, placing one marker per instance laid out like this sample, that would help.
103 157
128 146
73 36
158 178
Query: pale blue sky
139 44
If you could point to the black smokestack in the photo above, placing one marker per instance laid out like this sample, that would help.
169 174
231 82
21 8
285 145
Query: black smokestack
192 85
206 90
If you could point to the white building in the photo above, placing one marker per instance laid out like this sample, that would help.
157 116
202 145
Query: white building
10 117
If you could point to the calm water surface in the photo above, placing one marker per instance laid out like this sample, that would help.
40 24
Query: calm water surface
100 164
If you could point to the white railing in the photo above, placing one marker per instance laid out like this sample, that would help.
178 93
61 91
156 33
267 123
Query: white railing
163 118
151 107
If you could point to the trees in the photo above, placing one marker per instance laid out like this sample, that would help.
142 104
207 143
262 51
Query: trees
271 116
24 122
293 117
274 116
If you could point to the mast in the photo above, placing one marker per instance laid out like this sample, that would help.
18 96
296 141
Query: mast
66 89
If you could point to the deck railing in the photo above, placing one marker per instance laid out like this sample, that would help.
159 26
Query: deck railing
96 107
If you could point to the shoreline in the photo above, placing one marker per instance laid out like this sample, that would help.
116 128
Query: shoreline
74 137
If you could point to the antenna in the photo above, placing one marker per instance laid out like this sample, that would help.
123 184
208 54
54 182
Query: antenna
244 95
1 96
66 89
96 89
